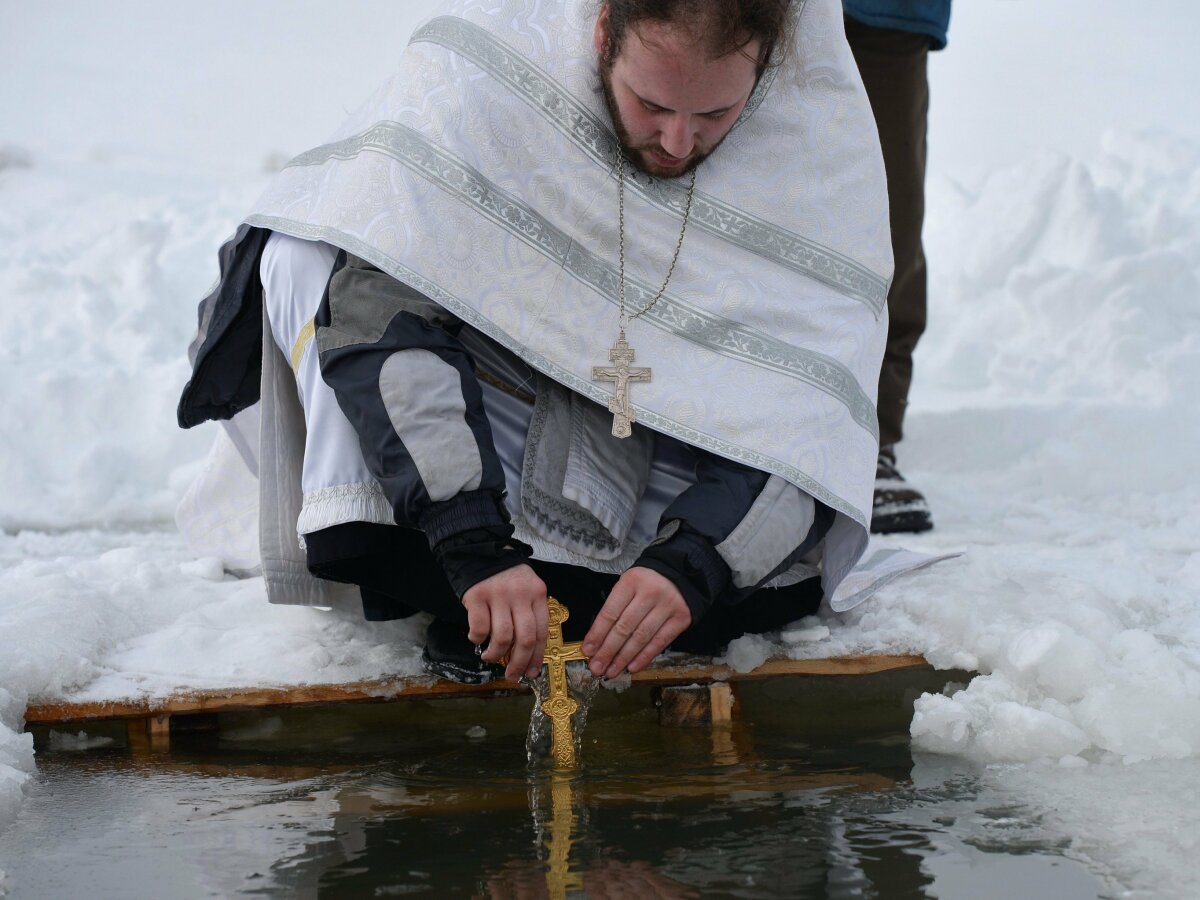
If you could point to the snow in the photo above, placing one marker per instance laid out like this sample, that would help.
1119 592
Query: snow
1054 421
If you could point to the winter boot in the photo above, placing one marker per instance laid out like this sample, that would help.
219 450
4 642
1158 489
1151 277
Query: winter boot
898 506
449 654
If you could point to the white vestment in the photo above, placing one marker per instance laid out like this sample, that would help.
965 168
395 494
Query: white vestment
483 175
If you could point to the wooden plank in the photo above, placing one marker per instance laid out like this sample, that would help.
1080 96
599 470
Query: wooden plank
700 672
159 729
138 733
720 697
694 705
684 705
235 699
688 671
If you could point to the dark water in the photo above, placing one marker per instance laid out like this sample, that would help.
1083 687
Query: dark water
813 793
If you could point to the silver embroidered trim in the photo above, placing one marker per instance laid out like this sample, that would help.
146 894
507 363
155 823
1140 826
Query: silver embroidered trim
472 317
413 150
549 514
544 550
343 503
593 137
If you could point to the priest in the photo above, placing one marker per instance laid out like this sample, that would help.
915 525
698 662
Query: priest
587 301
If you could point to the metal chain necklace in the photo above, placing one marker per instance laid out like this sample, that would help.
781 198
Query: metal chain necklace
622 371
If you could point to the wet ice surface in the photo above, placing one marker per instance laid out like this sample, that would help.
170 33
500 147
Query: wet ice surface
410 798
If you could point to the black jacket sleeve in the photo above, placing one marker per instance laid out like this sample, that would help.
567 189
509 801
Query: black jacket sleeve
701 518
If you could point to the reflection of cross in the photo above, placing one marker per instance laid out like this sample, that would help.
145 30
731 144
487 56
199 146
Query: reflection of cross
560 880
621 373
559 704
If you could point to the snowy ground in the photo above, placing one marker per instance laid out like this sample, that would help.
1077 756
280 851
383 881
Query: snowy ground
1054 426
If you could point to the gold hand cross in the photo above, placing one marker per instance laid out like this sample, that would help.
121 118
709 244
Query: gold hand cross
559 704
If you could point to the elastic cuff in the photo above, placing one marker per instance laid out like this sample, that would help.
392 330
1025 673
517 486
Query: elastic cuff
463 512
471 556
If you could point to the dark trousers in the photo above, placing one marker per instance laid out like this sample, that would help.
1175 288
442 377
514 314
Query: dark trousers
893 68
397 575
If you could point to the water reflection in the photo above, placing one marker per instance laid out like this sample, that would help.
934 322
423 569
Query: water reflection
557 833
390 802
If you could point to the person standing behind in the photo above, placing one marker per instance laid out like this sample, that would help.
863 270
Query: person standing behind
891 40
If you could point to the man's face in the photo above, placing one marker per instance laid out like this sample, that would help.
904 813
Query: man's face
670 104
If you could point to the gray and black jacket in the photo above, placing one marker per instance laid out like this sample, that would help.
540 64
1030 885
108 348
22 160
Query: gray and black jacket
388 351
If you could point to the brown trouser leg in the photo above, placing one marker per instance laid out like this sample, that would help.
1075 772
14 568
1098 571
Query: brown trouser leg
892 64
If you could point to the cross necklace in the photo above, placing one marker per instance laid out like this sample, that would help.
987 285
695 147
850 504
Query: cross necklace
622 372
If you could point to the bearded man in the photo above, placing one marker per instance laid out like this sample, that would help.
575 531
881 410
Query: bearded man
587 301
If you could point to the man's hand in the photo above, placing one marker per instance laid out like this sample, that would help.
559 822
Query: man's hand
638 621
510 607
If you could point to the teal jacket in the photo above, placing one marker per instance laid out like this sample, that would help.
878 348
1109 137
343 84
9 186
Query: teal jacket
931 17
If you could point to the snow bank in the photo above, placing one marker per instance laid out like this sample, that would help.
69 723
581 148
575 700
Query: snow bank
102 262
1068 280
106 614
94 615
1063 360
103 259
16 754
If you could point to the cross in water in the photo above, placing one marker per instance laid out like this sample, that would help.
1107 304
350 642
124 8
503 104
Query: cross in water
621 373
559 704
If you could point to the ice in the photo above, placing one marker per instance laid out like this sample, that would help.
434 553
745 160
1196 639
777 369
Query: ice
748 652
808 629
74 743
16 754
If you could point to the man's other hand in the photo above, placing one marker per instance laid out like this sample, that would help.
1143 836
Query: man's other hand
511 608
642 615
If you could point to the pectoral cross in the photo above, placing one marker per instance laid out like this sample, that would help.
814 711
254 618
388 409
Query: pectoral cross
560 705
621 373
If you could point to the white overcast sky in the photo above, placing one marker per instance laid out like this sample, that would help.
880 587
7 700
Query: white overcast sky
227 82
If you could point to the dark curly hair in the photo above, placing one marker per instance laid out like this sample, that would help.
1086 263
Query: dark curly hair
719 26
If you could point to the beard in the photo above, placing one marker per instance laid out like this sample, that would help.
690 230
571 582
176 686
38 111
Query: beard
640 155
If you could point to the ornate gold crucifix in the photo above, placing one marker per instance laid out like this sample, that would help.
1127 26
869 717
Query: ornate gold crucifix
621 373
559 705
